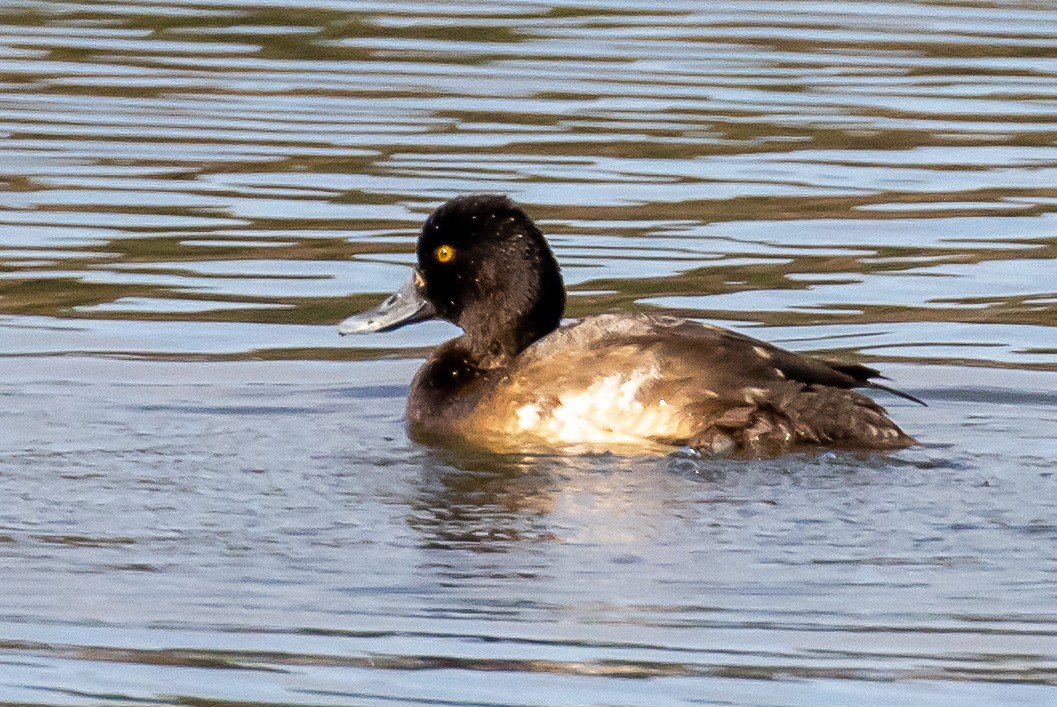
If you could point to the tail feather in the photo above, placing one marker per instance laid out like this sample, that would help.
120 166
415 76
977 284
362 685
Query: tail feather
896 392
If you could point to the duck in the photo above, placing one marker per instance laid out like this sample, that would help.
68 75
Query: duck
517 379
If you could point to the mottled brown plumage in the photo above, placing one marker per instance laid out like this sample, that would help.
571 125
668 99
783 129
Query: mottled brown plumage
615 381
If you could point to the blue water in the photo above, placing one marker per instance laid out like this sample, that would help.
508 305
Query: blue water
209 496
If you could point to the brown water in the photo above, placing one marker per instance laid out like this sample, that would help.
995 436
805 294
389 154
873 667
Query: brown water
208 497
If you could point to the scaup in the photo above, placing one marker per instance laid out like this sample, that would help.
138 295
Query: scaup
517 380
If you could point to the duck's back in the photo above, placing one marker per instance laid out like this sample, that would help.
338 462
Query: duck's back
618 380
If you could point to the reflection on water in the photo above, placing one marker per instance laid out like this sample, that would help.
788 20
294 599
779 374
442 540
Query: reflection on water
209 495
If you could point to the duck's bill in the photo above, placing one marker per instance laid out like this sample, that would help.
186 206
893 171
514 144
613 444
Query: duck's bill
406 306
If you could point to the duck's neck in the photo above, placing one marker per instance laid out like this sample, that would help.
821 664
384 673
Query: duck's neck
493 343
498 328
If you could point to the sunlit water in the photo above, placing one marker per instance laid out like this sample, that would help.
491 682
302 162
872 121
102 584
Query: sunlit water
208 496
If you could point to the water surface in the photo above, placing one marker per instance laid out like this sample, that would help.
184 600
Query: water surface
209 496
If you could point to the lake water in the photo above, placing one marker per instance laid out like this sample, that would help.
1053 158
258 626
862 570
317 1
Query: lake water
208 497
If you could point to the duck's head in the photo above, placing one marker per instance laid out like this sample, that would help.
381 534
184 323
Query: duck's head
484 266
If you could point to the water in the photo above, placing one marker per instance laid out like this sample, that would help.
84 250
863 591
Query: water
209 496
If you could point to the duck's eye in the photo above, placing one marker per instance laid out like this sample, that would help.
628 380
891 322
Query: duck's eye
444 253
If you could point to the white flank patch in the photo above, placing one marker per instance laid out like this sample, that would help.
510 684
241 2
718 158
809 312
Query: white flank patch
608 411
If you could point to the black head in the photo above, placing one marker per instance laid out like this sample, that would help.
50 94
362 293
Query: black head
487 268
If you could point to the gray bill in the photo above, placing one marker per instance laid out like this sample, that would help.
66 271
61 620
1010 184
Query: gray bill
405 306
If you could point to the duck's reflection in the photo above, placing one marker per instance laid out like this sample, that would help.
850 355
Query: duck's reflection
489 503
483 502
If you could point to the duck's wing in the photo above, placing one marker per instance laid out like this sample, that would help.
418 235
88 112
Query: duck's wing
686 383
793 366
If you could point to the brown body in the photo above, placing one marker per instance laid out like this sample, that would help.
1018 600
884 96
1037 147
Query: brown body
617 381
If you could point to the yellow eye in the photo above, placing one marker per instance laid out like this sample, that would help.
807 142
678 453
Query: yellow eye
444 253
